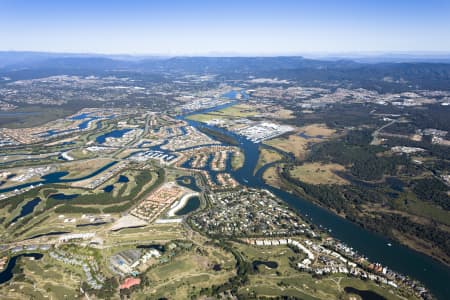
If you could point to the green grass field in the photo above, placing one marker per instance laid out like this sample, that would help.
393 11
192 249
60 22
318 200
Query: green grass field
185 274
421 208
287 281
235 111
267 156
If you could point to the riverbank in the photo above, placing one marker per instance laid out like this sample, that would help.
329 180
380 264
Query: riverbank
364 218
433 274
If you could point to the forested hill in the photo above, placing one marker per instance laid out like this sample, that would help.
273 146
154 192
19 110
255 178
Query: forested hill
384 77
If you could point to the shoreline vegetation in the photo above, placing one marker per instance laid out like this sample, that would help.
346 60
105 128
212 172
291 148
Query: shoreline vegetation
315 187
219 136
349 177
340 140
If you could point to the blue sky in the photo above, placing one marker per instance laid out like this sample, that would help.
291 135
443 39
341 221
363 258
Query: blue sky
225 26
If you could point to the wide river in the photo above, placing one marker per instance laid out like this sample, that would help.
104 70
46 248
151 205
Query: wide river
435 275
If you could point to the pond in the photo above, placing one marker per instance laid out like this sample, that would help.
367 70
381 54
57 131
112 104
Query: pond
123 179
7 274
61 196
269 264
55 176
117 133
158 247
108 188
27 208
192 204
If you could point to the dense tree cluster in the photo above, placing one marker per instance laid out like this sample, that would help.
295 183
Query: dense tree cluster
385 222
354 150
219 136
432 190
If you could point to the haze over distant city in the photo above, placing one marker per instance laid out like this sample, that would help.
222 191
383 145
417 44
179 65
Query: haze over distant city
225 149
225 27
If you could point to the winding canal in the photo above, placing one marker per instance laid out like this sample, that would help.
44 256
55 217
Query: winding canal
435 275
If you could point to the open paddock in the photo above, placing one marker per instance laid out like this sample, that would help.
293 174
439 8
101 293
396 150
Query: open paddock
317 173
267 156
271 177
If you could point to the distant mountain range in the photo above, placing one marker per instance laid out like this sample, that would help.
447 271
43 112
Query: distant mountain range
361 72
24 59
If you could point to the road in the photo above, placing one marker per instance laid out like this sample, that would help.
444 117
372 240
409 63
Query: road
376 140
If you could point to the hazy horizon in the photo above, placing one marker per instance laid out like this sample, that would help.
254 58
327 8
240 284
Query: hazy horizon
318 54
232 28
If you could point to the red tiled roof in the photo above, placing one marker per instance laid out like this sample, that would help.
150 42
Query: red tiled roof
129 282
